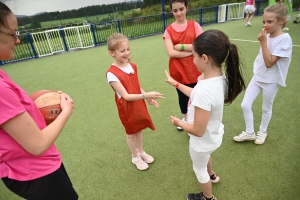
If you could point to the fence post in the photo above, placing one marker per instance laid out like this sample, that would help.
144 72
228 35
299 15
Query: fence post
94 34
200 16
257 8
226 12
217 13
31 44
62 34
119 26
164 15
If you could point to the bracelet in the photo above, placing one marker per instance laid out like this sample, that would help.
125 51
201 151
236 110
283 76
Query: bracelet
182 47
177 84
143 95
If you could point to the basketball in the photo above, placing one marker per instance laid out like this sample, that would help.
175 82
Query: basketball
48 101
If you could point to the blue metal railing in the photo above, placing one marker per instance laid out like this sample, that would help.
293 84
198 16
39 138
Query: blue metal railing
132 28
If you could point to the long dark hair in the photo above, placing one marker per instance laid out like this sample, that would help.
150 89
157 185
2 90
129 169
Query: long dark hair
4 11
216 45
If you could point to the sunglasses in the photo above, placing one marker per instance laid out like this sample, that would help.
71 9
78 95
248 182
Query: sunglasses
15 35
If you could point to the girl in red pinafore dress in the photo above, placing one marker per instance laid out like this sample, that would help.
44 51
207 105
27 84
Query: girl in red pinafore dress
129 97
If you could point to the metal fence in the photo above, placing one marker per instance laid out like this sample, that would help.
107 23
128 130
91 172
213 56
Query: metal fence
49 42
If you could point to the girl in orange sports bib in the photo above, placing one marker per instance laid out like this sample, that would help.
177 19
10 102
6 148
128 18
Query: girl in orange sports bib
129 97
179 37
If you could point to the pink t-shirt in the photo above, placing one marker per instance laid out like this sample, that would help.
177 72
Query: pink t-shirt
15 162
249 2
178 28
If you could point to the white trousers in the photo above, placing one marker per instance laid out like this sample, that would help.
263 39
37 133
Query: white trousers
200 161
269 91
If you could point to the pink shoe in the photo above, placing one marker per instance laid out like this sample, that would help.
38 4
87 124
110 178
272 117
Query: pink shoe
140 164
146 157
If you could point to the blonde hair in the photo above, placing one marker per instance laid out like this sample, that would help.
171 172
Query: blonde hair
279 9
114 41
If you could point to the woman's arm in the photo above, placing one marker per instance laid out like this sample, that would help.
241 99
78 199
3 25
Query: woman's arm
25 131
133 97
201 118
172 53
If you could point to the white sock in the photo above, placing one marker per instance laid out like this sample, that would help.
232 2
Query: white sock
136 159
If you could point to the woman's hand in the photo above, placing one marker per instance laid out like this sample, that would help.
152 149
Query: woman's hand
66 102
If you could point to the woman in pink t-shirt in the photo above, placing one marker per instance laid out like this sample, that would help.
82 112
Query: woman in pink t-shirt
30 164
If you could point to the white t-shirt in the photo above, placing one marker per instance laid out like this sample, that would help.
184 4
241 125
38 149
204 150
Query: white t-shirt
111 77
280 46
209 95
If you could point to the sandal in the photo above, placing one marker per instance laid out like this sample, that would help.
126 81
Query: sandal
214 178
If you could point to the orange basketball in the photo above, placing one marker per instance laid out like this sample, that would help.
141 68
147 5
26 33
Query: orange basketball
48 101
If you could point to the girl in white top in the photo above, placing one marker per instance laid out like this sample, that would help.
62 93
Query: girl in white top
211 50
270 71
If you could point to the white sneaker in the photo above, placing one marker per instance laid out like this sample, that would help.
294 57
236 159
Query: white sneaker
260 138
285 29
244 136
185 121
140 164
249 24
146 157
246 24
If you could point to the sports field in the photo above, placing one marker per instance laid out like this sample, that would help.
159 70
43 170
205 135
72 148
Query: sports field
93 143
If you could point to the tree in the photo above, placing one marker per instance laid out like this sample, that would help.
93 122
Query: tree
34 25
151 2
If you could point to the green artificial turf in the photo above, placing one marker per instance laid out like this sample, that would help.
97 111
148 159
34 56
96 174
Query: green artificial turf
93 143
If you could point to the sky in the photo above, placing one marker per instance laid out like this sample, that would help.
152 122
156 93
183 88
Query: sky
31 7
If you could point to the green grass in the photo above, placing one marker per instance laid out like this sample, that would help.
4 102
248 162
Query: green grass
93 143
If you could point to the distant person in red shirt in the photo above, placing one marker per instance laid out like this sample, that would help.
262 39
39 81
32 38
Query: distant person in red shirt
129 97
179 37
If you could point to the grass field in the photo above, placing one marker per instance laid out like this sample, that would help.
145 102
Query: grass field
93 143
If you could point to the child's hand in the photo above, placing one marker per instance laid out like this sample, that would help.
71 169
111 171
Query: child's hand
262 36
176 121
177 47
169 79
154 95
153 102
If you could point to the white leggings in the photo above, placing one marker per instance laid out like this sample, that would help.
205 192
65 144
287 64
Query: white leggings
269 91
200 161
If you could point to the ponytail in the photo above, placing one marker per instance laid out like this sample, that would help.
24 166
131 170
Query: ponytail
217 46
233 72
